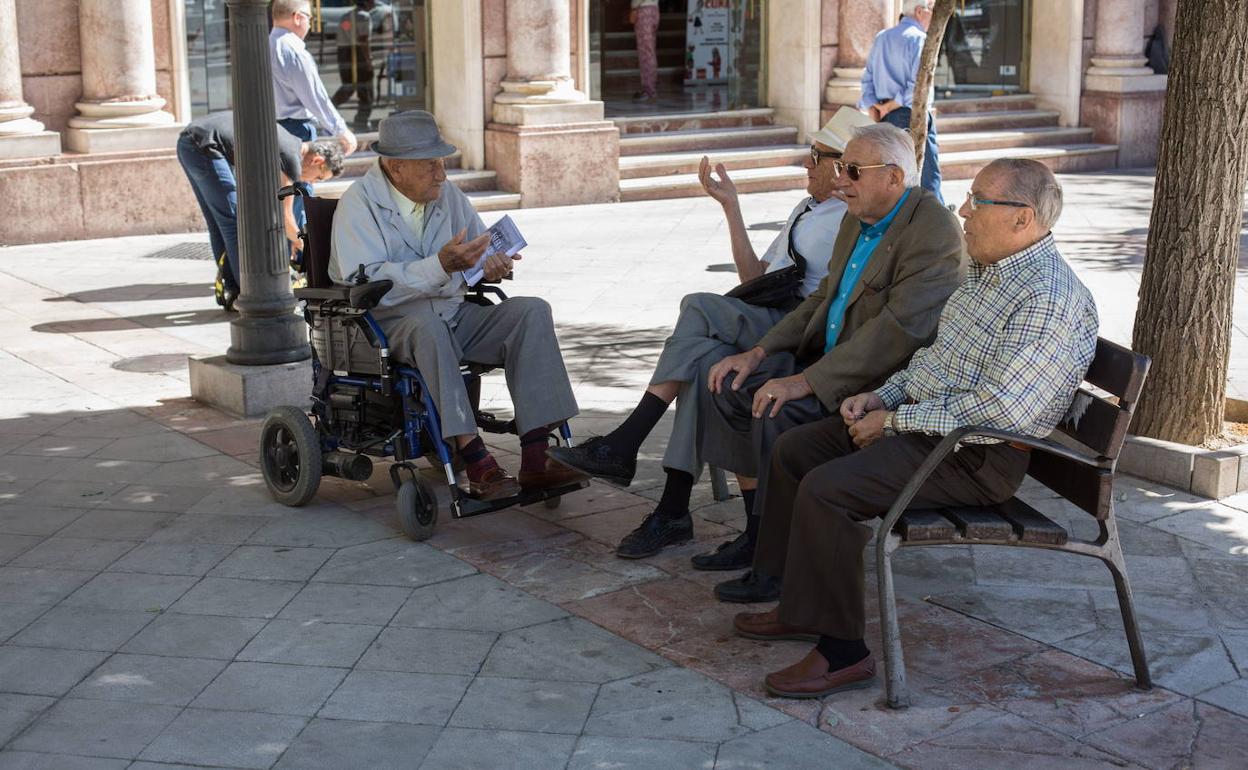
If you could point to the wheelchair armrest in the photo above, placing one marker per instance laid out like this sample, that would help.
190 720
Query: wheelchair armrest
332 294
365 296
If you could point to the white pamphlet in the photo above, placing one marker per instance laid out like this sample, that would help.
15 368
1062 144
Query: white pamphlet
505 238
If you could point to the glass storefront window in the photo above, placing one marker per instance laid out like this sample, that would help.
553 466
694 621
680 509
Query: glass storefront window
709 56
372 56
985 49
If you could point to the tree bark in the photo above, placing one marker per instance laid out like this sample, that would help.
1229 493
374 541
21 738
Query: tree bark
941 12
1183 320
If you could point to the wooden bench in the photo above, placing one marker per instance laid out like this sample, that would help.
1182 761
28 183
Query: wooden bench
1076 461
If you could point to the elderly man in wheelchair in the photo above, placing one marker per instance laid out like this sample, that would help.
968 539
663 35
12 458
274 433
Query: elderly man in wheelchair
401 239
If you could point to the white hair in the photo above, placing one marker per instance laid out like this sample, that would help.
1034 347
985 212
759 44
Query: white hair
1031 182
908 7
285 8
896 148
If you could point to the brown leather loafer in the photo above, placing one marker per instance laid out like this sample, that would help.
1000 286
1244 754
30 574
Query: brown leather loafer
554 475
810 677
495 485
767 627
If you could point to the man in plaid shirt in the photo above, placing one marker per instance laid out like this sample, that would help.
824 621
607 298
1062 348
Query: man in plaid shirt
1013 344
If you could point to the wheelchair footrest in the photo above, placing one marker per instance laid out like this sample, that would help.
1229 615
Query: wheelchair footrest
491 424
470 507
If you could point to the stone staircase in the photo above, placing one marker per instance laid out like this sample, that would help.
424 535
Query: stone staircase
659 154
479 186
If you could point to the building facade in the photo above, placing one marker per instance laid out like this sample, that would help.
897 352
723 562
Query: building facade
539 95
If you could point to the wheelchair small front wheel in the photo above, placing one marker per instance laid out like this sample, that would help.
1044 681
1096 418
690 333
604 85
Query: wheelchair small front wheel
417 506
290 456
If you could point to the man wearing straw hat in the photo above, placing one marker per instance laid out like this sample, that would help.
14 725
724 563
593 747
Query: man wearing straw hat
404 222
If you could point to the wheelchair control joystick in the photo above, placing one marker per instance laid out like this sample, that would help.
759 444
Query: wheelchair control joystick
359 276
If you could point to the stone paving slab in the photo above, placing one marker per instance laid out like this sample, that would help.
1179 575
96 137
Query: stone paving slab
147 583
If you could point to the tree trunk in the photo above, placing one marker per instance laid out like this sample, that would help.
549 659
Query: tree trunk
1184 316
927 70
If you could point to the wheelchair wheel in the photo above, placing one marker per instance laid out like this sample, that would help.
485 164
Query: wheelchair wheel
290 456
417 504
552 502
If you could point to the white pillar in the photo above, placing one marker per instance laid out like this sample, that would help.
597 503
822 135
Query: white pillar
858 24
1122 99
120 109
21 136
1118 48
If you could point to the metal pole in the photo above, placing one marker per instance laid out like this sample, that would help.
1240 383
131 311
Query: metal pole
266 331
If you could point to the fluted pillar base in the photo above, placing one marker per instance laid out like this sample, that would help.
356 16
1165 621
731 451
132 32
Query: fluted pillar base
121 125
844 87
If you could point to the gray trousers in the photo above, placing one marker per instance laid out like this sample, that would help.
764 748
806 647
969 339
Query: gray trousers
517 334
710 328
736 440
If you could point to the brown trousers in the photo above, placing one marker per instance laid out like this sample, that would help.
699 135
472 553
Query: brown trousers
819 489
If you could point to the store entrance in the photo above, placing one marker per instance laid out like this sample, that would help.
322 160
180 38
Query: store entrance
709 57
985 49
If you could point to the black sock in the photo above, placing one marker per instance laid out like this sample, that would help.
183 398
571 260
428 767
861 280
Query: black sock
676 493
841 652
751 518
626 439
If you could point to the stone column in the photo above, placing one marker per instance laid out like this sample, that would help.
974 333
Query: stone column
20 135
120 109
544 131
860 21
1122 98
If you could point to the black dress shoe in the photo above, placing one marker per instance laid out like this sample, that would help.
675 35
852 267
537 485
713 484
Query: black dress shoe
735 554
749 588
656 530
597 458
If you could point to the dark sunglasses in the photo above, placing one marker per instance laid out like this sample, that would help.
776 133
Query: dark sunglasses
816 154
853 169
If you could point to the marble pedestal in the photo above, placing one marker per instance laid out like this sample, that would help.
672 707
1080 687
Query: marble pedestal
249 391
845 87
1126 111
123 139
35 145
554 154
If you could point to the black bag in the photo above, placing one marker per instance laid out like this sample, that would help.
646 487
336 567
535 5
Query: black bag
779 288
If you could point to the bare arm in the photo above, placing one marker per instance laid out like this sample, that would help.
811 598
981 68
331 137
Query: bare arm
749 266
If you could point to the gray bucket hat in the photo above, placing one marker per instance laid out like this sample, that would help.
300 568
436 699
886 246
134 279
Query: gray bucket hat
410 135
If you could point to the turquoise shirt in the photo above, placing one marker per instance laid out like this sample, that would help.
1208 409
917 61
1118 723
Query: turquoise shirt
865 246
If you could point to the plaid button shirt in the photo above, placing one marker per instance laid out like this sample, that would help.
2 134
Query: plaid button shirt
1012 347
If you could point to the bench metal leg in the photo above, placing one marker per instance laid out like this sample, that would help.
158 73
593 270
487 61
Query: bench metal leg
894 661
1118 568
719 484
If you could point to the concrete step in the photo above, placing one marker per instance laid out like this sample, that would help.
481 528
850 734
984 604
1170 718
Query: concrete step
995 120
651 124
465 179
667 163
703 140
1064 158
494 200
687 185
1014 137
962 106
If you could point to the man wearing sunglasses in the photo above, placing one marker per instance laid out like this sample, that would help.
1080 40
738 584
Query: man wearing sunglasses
896 260
711 326
1013 345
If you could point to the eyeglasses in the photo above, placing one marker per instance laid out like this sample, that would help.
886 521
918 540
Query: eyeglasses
816 154
853 169
304 14
975 202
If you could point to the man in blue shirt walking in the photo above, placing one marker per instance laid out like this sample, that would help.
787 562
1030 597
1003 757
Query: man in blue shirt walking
888 81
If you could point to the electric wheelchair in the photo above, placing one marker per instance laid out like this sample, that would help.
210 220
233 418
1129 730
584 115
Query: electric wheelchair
365 405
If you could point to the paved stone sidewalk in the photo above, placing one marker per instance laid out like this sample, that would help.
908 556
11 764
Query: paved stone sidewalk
132 519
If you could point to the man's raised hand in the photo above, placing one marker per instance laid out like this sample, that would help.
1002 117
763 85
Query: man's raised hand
457 255
722 189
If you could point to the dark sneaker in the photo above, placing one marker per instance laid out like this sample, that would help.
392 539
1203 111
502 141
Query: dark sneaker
749 588
735 554
656 530
597 458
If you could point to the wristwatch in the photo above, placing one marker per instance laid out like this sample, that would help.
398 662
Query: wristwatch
890 425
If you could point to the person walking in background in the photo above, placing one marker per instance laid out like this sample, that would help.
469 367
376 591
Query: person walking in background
355 61
888 81
298 93
644 17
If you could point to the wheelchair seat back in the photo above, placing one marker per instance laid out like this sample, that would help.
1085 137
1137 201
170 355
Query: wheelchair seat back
319 227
